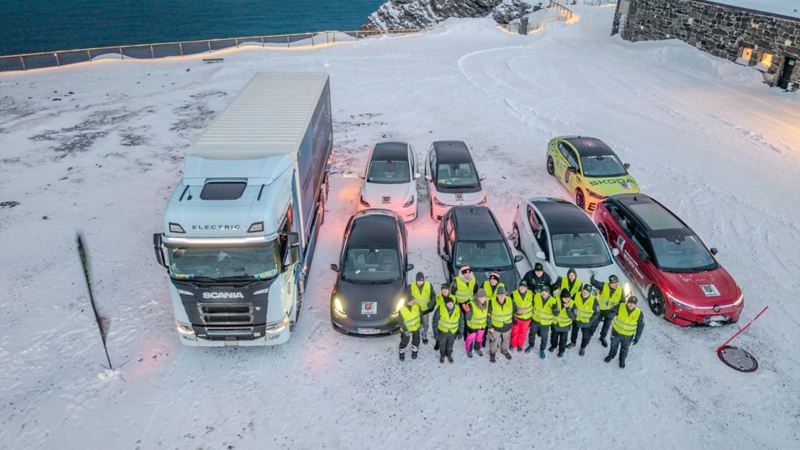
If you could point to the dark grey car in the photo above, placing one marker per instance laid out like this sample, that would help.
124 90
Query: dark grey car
372 271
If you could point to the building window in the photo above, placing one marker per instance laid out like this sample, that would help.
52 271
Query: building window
766 61
745 55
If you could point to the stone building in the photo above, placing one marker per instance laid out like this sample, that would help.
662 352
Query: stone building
766 41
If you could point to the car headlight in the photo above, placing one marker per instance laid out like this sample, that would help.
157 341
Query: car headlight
627 288
438 202
363 201
409 202
338 308
184 329
594 195
682 304
400 302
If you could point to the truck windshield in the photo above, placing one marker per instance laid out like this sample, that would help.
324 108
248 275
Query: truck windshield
580 250
456 175
388 172
482 255
602 166
682 254
371 265
258 263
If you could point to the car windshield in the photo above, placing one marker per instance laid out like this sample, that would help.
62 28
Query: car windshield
371 265
258 263
388 172
602 166
682 253
580 250
456 175
482 255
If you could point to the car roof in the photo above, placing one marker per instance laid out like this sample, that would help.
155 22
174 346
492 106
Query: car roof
563 217
589 146
475 223
373 229
653 215
449 152
390 151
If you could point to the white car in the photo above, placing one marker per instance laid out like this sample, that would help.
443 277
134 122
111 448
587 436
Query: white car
452 178
561 236
390 179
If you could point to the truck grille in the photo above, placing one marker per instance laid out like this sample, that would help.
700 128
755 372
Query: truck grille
226 313
229 332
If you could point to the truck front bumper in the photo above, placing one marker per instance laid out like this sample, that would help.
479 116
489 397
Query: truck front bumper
257 337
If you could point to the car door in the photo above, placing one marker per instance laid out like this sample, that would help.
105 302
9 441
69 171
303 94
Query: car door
540 239
527 239
559 161
571 180
627 239
430 171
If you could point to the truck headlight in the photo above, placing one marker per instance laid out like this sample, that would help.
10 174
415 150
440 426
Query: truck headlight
185 330
338 308
682 304
278 327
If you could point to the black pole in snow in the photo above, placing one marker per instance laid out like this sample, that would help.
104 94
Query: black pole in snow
85 266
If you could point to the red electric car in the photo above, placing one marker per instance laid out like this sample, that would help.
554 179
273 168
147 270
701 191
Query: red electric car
668 262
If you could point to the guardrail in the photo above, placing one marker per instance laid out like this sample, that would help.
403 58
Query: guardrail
27 61
565 12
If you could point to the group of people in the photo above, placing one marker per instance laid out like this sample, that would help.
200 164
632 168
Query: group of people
555 312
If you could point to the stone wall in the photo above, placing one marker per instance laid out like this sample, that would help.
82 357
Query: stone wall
720 30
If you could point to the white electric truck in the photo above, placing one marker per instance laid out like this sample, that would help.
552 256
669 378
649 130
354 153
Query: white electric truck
242 224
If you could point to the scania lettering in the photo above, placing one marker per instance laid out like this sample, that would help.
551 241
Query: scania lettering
242 224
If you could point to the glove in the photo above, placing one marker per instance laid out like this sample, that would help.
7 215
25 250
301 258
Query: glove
635 341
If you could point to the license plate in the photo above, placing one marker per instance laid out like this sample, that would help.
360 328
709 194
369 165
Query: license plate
369 308
368 331
717 318
231 343
386 199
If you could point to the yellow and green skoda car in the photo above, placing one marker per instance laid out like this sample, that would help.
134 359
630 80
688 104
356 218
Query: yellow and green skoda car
589 169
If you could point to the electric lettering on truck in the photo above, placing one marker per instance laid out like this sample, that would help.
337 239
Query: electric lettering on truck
242 224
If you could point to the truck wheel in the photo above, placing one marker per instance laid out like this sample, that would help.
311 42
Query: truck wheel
655 300
551 170
579 200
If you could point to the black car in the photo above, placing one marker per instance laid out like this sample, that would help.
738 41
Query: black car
471 235
371 282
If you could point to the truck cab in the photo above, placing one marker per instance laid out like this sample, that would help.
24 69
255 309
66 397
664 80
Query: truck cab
241 226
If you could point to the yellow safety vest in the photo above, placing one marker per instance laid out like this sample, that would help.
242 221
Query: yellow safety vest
464 291
501 314
608 300
491 293
543 312
563 319
410 317
478 320
440 300
525 304
575 289
422 297
625 322
448 322
584 308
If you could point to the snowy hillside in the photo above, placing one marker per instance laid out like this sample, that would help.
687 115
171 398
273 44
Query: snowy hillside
98 147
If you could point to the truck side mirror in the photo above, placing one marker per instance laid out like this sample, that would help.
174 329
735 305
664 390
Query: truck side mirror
518 258
292 249
157 246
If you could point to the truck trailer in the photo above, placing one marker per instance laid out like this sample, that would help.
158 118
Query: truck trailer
242 224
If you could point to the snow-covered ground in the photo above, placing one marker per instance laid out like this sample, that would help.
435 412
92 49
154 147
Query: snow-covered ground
789 8
97 148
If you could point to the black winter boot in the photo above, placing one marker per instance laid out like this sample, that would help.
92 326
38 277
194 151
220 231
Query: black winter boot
491 357
413 355
608 358
402 356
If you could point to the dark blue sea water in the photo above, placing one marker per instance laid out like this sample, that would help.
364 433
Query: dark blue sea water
42 25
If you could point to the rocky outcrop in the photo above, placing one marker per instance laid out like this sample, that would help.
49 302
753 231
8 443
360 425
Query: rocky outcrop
413 14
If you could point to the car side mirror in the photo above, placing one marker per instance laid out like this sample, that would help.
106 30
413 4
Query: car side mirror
644 256
428 177
518 258
409 267
540 255
158 247
445 257
615 251
416 176
572 169
483 177
335 267
362 175
626 166
714 251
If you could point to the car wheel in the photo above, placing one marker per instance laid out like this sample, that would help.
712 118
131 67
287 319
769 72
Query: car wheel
579 200
551 170
655 300
515 241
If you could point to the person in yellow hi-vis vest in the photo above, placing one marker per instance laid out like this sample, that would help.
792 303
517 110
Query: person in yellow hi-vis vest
627 329
588 312
609 295
490 286
544 311
410 315
563 321
447 320
422 292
